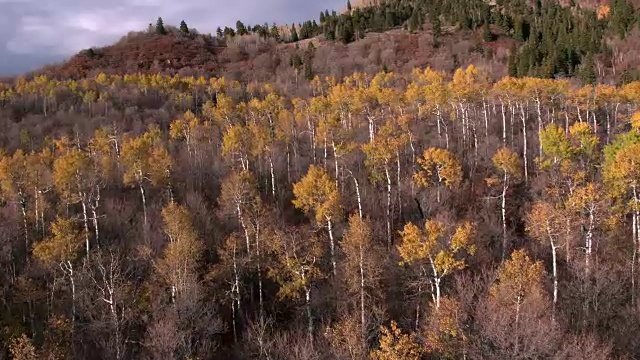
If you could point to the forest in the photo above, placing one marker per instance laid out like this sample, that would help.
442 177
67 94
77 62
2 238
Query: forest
410 215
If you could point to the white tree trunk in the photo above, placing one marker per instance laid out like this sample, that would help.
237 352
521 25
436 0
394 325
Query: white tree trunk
524 140
85 219
555 278
504 216
388 210
144 203
273 177
333 246
362 312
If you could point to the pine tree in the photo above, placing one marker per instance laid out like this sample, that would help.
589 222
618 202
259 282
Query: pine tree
415 22
437 26
275 33
240 28
348 6
487 36
160 30
294 33
184 28
587 72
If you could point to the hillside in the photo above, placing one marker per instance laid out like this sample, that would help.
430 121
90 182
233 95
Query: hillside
587 39
414 180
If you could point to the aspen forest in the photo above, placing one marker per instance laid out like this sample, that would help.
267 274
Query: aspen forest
386 216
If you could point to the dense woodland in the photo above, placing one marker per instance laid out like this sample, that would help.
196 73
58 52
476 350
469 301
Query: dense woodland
305 211
394 216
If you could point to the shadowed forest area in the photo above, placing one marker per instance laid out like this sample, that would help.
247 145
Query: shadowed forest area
384 211
393 215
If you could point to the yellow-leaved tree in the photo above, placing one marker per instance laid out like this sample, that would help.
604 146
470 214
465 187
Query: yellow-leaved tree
396 345
622 180
520 282
508 163
437 249
317 193
14 182
146 160
441 167
362 266
61 250
380 153
296 269
547 224
182 255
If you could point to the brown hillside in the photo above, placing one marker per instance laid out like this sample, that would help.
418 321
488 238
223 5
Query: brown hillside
251 58
142 52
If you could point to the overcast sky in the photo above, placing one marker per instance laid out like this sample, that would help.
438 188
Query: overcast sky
36 32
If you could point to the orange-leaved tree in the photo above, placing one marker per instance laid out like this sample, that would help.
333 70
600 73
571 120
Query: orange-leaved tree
441 167
437 250
317 193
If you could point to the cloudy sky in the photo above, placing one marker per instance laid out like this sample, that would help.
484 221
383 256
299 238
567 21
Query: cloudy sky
37 32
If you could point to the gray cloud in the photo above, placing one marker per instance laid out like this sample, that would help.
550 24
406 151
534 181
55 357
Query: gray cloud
36 32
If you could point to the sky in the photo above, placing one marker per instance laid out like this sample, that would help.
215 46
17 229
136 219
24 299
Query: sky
34 33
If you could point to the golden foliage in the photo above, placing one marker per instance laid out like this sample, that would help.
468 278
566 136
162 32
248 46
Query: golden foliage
439 244
545 222
146 158
183 253
518 277
21 348
441 163
62 246
297 254
444 335
508 162
395 345
317 192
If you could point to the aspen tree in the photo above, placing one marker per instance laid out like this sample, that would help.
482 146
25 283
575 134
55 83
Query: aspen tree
146 161
396 345
317 193
182 254
508 163
361 264
14 182
61 250
437 250
441 167
380 152
297 252
546 224
519 280
622 176
237 196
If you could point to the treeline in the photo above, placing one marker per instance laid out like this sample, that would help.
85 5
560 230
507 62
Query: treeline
391 216
553 40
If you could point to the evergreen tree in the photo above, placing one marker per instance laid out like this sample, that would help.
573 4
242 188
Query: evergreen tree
240 28
415 22
275 33
160 30
219 33
512 66
348 5
229 32
390 19
183 27
487 36
294 33
587 71
437 26
344 30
